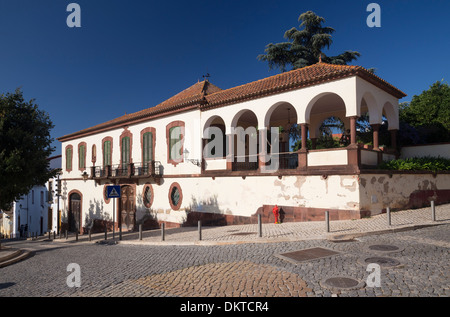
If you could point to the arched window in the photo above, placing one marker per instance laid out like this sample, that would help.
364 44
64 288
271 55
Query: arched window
126 153
107 151
94 154
175 138
82 156
69 152
147 147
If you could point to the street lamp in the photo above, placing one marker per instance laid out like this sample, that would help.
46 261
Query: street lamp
193 161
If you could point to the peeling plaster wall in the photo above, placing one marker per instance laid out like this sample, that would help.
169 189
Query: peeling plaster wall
402 191
230 196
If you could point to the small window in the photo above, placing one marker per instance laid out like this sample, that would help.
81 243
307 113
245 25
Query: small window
82 157
69 158
147 147
175 144
147 195
94 154
106 153
126 151
175 196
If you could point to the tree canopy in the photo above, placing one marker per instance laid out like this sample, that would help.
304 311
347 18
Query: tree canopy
25 146
305 46
426 119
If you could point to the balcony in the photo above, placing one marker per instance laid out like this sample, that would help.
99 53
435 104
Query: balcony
133 170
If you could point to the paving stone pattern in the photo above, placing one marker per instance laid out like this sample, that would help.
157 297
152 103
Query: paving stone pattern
233 270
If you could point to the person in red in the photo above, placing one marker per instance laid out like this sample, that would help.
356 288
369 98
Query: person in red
276 212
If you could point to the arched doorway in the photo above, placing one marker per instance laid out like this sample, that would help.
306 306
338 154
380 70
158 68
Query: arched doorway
75 212
246 141
127 208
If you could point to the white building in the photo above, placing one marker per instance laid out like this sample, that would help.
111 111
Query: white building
157 155
35 213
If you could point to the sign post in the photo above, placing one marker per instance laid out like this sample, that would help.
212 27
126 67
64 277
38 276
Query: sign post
113 192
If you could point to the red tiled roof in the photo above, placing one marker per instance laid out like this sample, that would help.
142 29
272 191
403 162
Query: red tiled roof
295 79
206 95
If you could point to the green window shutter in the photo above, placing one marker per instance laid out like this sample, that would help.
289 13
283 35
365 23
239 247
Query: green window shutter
81 157
107 153
175 143
125 150
68 158
147 147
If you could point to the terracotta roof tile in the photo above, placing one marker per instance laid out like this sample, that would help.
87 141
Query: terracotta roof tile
206 95
295 79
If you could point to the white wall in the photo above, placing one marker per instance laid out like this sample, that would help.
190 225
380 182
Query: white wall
442 150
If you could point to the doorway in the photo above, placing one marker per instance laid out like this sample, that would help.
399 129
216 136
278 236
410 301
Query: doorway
74 212
127 208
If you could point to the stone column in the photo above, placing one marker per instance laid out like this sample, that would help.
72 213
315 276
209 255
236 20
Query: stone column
230 155
376 133
303 152
304 135
262 149
353 130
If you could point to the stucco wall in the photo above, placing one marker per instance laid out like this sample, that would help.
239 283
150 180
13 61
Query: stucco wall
442 150
402 191
234 196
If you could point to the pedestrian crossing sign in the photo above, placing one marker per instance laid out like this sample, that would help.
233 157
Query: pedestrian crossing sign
113 191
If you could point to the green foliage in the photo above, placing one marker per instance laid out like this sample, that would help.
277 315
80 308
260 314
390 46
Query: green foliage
305 46
428 114
25 145
428 163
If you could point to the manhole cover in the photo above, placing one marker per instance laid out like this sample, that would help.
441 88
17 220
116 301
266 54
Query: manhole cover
384 248
307 254
342 283
382 261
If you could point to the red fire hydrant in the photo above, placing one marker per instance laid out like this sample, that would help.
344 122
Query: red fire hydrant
276 212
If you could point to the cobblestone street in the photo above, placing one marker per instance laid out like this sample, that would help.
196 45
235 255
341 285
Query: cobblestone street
235 270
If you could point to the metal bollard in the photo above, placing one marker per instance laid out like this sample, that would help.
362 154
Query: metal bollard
106 232
327 220
67 235
49 235
140 232
200 230
433 211
388 212
163 234
90 233
54 235
259 226
76 235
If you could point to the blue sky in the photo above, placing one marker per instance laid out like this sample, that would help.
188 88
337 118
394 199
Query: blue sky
131 55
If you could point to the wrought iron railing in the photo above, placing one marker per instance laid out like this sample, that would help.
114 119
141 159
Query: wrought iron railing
152 168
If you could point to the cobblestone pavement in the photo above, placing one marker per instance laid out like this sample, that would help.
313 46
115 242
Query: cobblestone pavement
235 270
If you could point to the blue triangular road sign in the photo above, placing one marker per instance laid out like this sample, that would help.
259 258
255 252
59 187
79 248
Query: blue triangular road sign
113 191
